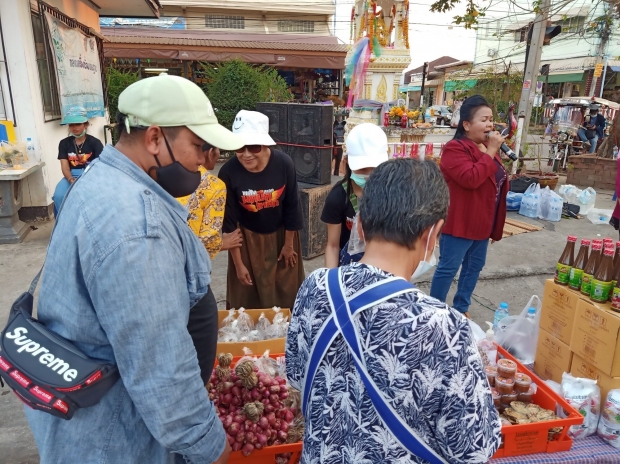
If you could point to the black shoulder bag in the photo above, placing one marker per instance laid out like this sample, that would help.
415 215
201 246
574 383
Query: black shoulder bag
46 371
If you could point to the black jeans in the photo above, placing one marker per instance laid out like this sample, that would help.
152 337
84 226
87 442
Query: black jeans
202 327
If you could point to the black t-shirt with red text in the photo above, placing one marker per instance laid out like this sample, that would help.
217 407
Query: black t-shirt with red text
265 201
338 209
80 155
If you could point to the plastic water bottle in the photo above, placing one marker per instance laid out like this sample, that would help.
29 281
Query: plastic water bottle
500 313
615 152
531 315
30 147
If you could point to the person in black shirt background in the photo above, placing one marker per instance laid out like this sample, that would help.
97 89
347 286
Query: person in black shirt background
74 152
366 149
262 200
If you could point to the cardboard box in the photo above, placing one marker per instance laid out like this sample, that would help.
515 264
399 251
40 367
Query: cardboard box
583 369
596 337
275 345
553 357
559 306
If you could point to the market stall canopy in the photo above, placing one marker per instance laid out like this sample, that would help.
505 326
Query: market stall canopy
128 8
585 101
272 49
559 78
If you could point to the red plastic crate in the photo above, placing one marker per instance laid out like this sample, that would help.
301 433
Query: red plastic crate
532 438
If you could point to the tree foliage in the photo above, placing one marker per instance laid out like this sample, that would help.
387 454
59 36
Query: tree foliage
234 85
117 81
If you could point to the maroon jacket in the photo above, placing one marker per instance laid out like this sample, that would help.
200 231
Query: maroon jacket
616 213
470 175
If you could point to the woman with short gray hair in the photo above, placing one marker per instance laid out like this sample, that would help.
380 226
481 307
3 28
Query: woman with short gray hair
387 373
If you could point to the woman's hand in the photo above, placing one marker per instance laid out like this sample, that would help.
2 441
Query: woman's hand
494 142
289 255
71 180
243 275
232 240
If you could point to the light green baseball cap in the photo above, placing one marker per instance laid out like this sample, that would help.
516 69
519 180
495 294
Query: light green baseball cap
74 115
171 101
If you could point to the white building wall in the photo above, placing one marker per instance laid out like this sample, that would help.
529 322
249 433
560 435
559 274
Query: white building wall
26 92
496 32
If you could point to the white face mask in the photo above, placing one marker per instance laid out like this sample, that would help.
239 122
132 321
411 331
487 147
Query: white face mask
426 265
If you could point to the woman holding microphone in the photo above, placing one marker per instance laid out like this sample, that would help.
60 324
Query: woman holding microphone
478 186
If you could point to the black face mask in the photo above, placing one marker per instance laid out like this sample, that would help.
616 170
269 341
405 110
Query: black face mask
175 178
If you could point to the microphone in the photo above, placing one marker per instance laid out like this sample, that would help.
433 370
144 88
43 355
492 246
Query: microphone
506 149
508 152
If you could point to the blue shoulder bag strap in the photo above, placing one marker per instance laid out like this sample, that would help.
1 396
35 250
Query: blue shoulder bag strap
342 314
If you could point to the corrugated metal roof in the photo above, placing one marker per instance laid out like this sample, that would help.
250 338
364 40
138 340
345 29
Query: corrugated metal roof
118 39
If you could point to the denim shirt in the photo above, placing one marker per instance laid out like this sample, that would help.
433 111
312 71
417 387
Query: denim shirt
122 271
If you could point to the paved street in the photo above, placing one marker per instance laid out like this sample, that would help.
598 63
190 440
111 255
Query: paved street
516 268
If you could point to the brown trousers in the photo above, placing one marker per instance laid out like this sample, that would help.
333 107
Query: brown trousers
273 283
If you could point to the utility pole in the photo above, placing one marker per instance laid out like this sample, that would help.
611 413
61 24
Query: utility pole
532 65
600 52
424 69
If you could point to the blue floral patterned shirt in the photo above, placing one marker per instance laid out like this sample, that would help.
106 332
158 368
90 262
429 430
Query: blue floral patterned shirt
422 356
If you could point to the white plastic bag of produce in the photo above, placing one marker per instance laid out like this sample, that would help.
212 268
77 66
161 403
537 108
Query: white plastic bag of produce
550 205
521 337
585 396
569 193
600 216
530 203
586 200
609 424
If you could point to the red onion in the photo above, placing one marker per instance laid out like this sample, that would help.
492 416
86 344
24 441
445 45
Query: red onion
235 401
255 369
250 438
265 401
258 446
236 446
234 429
280 380
227 398
227 421
271 418
222 411
261 439
263 423
227 386
289 416
247 449
239 419
255 394
273 398
282 436
269 408
240 438
284 427
278 424
274 389
283 395
230 439
236 391
294 411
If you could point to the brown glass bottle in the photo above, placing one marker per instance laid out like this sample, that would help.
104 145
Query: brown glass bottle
601 284
617 256
591 265
565 263
576 272
616 276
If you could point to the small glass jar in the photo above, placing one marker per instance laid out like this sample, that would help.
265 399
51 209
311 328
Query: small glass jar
491 373
523 383
504 385
506 368
528 396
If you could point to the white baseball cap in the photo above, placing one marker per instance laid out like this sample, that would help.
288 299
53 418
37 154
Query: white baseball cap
367 146
253 128
171 101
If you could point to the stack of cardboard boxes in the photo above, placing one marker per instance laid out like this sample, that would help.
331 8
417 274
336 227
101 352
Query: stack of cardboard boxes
578 336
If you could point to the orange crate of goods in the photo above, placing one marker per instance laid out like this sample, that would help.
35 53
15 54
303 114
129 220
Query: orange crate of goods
289 453
534 438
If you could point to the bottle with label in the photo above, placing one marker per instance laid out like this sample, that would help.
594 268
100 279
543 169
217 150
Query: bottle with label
500 313
615 278
30 149
565 263
601 284
591 265
617 256
576 272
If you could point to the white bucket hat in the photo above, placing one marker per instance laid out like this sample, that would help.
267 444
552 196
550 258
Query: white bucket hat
367 147
253 128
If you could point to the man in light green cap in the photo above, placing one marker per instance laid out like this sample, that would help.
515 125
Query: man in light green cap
124 278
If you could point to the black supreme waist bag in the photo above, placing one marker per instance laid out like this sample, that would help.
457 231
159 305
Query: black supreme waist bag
46 371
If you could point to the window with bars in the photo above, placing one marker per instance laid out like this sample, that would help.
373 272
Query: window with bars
572 25
521 35
45 65
286 25
224 22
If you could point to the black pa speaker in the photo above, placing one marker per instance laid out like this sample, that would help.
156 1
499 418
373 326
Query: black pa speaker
278 119
312 123
312 165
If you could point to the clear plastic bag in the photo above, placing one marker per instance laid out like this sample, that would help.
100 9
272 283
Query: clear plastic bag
585 396
609 424
569 193
586 200
356 243
279 325
600 216
263 327
530 203
521 337
550 205
244 324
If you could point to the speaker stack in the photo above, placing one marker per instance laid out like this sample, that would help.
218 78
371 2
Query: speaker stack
307 130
